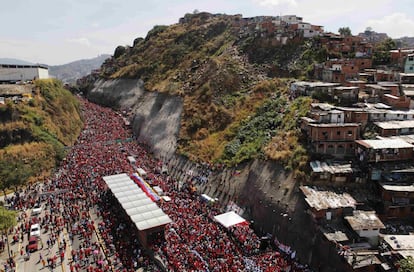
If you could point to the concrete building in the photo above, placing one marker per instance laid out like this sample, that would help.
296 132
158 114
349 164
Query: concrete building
398 200
395 128
384 150
15 73
333 139
366 224
409 64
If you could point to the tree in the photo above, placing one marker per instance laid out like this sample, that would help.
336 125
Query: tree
406 265
345 31
7 221
13 172
381 54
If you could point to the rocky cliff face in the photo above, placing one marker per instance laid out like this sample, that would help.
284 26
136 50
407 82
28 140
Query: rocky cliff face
268 194
155 116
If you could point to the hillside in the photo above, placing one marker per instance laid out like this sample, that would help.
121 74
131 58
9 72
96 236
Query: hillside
235 100
70 72
33 134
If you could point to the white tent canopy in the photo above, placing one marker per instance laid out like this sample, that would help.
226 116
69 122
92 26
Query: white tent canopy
229 219
140 208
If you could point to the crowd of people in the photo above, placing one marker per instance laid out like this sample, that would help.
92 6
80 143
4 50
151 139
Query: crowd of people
77 202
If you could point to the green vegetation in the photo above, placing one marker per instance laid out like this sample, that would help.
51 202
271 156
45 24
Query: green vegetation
34 135
382 55
236 105
406 265
345 31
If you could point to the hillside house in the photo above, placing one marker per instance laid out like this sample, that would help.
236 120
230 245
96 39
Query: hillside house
335 139
334 172
397 102
355 115
405 78
308 88
374 93
383 150
398 56
356 83
398 200
327 204
382 115
395 128
366 224
409 64
398 247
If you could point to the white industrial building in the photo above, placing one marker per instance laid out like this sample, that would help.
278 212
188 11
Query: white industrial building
15 73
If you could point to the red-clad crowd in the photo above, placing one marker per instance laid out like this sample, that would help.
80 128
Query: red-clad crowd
193 242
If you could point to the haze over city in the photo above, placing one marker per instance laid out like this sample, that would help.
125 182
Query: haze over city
58 32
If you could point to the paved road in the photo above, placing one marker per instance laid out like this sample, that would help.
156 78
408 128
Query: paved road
34 263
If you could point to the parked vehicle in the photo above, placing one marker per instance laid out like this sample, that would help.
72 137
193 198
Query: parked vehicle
33 244
35 230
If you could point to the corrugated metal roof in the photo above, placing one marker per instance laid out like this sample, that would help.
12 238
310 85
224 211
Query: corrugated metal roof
384 144
395 124
323 200
140 208
398 188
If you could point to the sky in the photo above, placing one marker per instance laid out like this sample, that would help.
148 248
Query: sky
56 32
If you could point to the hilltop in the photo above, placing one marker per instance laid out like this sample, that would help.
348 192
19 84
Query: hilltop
230 71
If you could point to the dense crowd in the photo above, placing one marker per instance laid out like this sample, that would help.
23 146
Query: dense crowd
77 202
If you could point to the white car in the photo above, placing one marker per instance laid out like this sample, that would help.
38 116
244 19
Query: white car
37 209
35 230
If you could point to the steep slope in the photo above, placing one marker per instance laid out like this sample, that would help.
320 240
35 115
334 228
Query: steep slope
226 83
33 134
70 72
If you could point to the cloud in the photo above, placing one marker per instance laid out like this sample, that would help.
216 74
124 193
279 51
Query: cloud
274 3
82 41
396 25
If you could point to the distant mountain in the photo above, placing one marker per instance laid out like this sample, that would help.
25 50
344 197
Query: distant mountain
14 61
405 42
70 72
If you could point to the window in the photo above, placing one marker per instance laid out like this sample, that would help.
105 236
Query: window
338 133
411 58
349 132
411 68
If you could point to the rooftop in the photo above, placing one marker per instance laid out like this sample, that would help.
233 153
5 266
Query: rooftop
323 200
337 236
364 220
400 242
395 124
398 188
384 144
332 167
315 84
327 125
